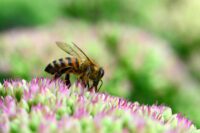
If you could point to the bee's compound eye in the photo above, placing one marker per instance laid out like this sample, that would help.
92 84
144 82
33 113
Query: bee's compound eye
101 72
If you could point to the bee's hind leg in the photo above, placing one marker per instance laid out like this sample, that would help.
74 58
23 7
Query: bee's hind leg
67 80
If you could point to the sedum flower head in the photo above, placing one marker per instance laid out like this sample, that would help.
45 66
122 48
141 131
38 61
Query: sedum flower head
42 105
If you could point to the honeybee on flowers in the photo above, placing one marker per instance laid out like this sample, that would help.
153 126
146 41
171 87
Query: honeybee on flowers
79 64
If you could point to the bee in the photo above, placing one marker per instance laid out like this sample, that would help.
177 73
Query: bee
79 64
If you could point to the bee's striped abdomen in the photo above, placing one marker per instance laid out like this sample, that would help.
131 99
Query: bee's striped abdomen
53 67
50 69
68 61
73 62
61 64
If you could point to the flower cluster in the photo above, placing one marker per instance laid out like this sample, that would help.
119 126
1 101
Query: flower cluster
42 105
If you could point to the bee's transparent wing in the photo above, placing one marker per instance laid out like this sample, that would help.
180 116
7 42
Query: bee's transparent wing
68 49
74 51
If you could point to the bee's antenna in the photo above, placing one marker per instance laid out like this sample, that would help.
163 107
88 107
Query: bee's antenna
100 85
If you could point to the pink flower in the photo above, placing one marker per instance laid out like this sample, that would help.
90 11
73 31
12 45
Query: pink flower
50 106
8 106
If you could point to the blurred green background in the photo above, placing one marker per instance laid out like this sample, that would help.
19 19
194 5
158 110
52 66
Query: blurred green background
150 49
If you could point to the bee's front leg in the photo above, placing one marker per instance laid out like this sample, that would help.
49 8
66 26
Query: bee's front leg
93 87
